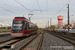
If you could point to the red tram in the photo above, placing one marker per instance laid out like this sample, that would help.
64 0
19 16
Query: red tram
22 27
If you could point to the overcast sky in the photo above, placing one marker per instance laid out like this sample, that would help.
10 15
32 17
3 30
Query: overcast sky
42 10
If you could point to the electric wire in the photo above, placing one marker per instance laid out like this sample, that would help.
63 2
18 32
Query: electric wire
46 5
38 5
7 10
25 7
61 8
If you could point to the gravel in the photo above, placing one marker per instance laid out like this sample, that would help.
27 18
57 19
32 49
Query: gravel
20 44
5 38
35 42
54 43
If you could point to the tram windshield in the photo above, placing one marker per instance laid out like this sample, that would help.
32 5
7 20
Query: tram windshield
17 25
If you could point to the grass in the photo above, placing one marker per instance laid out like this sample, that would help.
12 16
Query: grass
5 30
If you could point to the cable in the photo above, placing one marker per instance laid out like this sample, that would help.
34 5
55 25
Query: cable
61 8
46 5
23 6
38 5
7 10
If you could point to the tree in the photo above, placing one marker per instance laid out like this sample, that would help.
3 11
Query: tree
9 27
52 27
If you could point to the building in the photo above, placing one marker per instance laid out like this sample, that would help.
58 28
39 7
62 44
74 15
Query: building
60 22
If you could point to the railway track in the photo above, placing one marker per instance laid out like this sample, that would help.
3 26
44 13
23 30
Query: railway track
23 42
3 35
41 42
52 42
35 43
15 43
64 37
5 38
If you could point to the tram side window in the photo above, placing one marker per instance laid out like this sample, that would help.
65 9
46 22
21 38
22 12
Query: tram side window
30 26
25 26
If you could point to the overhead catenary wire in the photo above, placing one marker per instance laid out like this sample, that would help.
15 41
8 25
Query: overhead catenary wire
3 3
7 10
46 5
61 8
28 9
39 6
25 7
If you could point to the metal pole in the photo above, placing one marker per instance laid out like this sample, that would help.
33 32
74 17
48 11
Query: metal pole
50 22
29 19
68 19
46 24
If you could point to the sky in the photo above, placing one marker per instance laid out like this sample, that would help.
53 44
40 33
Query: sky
42 11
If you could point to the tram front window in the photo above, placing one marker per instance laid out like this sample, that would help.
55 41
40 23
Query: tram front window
17 25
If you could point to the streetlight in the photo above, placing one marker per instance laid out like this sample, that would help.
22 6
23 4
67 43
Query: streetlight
30 15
